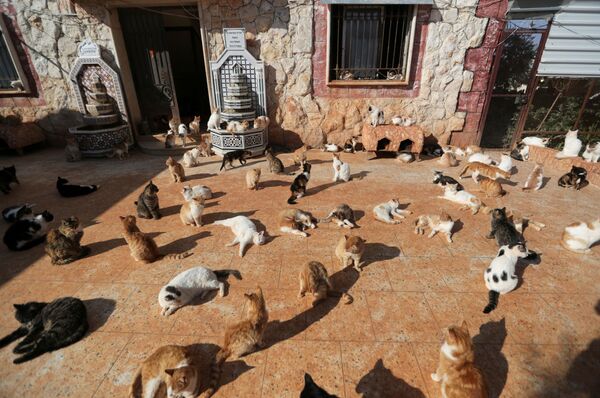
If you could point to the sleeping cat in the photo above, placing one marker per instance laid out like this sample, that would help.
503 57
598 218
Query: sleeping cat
142 247
438 223
274 164
315 281
580 236
456 371
72 152
447 160
120 151
234 127
8 175
71 190
294 221
441 180
176 169
147 204
252 179
238 154
47 327
261 122
245 232
170 371
349 251
480 158
299 185
343 216
500 277
575 179
535 141
194 282
63 244
341 170
467 199
312 390
197 191
535 179
572 145
242 338
191 211
387 211
27 233
484 170
214 121
491 188
18 212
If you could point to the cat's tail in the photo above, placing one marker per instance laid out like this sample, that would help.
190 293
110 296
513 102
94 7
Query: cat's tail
328 218
176 256
492 301
464 170
215 372
292 199
135 390
222 222
224 273
346 298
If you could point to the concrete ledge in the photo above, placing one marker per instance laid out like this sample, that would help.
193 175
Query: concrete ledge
546 156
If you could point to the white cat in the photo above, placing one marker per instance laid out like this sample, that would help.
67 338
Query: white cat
592 152
572 145
194 282
467 199
580 236
500 276
330 148
438 223
535 141
341 170
196 191
245 232
376 116
481 158
505 163
191 157
387 211
405 157
182 131
214 122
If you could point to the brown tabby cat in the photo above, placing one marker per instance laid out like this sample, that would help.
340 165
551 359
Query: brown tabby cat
120 151
252 178
143 248
314 280
242 338
176 170
491 188
62 244
483 169
457 373
349 251
171 367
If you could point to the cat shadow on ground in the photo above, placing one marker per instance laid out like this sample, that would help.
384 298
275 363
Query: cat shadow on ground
358 215
359 176
217 195
273 184
104 246
98 312
278 331
198 176
545 181
510 183
223 215
320 188
380 382
375 252
489 357
171 210
184 244
458 226
523 264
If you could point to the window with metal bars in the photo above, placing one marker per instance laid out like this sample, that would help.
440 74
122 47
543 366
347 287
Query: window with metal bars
12 77
371 42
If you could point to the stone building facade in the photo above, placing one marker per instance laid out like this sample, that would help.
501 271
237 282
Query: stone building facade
453 47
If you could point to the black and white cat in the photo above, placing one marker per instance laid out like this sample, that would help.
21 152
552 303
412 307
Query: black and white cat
194 282
26 233
500 276
18 212
440 179
71 190
300 183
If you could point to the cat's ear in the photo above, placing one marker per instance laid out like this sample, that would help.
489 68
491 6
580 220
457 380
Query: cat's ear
465 326
122 218
346 237
19 307
370 109
170 371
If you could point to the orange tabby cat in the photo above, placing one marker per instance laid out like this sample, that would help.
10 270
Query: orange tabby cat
457 373
484 170
252 178
448 159
169 367
242 338
349 251
491 188
142 247
176 170
314 280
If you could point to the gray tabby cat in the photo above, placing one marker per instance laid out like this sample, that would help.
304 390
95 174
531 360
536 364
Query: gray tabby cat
343 216
147 203
275 165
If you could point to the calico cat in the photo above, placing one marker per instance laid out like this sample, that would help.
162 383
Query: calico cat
315 281
170 371
402 121
176 169
312 390
120 151
142 247
274 164
343 216
245 232
194 282
72 152
191 211
341 170
447 160
261 122
480 158
8 175
242 338
575 179
252 179
214 121
572 145
71 190
535 179
19 212
440 179
298 187
505 163
376 116
27 233
438 223
294 221
580 236
484 170
147 204
500 277
456 371
387 211
349 251
197 191
47 327
63 244
491 188
238 154
467 199
592 153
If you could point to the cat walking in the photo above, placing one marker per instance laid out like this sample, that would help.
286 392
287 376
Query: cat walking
580 236
238 154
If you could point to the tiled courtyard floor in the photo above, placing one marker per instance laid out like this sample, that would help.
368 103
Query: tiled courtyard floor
542 341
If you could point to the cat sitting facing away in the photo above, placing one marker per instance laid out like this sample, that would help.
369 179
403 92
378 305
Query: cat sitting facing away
176 169
349 251
500 277
294 221
28 232
387 211
170 369
343 216
72 152
47 327
574 179
312 390
535 179
63 244
274 164
456 371
245 232
242 338
315 281
341 170
580 236
147 204
438 223
71 190
189 284
8 175
572 146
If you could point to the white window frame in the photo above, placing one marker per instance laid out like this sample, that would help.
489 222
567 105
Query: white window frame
14 56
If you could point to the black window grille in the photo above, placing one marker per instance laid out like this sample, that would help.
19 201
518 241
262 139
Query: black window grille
370 42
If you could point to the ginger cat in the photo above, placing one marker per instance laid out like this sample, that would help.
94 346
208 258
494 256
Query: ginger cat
580 236
294 221
349 251
176 170
170 367
315 281
457 373
438 223
143 248
252 179
448 159
241 338
191 211
484 170
491 188
535 179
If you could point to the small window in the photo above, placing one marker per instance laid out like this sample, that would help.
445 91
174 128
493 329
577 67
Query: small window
370 43
12 76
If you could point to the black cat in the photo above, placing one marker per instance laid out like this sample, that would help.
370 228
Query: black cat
298 187
576 178
47 327
505 232
8 175
27 233
312 390
71 190
238 154
14 213
440 179
147 204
